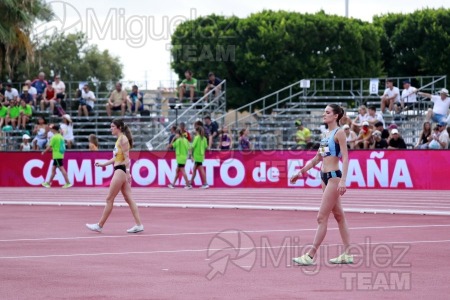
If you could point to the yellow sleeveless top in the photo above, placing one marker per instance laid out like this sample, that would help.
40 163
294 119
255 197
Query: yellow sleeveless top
118 153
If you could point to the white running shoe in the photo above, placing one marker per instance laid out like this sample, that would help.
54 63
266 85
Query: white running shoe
136 229
170 186
188 187
344 258
205 186
94 227
304 260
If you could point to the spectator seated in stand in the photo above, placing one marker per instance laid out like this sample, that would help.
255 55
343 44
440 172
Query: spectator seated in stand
26 145
396 141
424 136
117 100
440 138
373 117
93 142
364 139
11 94
360 118
49 99
378 141
40 131
213 85
135 101
87 100
408 98
26 96
40 84
25 113
390 96
384 132
60 90
3 114
244 141
32 91
302 136
351 136
13 114
225 139
440 107
188 87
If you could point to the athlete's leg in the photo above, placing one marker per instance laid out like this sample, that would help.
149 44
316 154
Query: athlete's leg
126 192
329 199
117 181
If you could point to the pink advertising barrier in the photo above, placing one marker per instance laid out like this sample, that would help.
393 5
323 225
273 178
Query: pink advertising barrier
395 169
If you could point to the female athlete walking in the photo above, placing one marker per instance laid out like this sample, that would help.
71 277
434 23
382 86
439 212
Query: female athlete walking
121 180
332 147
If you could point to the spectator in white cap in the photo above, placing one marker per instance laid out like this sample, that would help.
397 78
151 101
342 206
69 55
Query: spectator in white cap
67 130
441 137
26 145
440 107
364 139
350 136
378 141
396 141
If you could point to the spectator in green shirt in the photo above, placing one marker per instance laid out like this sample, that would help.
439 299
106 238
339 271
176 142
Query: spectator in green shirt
13 113
181 146
57 145
187 87
3 114
302 136
25 113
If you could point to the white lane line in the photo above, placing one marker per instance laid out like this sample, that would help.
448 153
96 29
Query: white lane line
231 231
198 250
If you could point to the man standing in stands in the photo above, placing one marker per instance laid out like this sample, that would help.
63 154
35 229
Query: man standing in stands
211 131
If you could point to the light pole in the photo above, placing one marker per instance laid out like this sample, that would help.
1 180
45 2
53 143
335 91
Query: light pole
346 8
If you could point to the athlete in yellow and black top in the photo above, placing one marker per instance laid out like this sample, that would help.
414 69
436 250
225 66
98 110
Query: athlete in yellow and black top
121 181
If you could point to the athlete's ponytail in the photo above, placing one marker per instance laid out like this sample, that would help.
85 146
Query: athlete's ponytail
125 130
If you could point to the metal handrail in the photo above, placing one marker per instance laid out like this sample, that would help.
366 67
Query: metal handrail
189 109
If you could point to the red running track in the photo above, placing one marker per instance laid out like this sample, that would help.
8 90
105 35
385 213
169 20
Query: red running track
370 201
46 253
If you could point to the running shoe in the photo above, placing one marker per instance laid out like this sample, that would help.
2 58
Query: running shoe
136 229
94 227
188 187
170 186
205 186
304 260
342 259
67 185
46 184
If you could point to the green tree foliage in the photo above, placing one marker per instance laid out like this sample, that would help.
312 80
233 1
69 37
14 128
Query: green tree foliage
270 50
16 22
416 43
72 58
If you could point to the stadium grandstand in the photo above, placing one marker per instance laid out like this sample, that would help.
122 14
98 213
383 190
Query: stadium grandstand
270 119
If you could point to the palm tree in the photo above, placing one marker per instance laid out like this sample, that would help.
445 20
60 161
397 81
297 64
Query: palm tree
16 23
